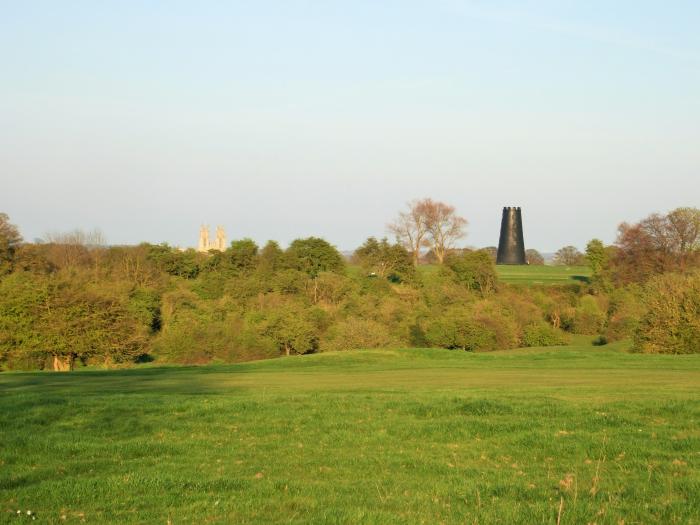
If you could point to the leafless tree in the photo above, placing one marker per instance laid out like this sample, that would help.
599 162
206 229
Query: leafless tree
444 226
569 256
428 224
410 229
74 248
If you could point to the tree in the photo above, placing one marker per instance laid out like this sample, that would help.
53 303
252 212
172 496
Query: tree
290 330
242 255
9 241
475 270
411 229
271 257
313 256
444 226
533 257
65 318
683 226
391 261
428 223
185 264
596 256
657 244
671 323
568 256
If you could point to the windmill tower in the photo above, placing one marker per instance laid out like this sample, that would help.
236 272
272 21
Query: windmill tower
511 245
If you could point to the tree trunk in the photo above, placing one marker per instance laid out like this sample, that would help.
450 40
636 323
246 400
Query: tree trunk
62 363
286 349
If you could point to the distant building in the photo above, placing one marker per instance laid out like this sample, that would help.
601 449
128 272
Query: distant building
511 245
205 243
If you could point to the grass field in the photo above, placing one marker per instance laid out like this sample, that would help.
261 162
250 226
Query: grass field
520 274
579 434
543 274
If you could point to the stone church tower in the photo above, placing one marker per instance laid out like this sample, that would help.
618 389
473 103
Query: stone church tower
205 243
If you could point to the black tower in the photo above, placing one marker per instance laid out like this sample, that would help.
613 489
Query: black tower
511 246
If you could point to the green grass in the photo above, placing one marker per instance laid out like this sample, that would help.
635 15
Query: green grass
378 436
543 274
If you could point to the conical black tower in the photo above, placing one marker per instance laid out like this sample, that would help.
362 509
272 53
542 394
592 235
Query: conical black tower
511 246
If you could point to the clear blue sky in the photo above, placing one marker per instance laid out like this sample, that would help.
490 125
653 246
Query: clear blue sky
296 118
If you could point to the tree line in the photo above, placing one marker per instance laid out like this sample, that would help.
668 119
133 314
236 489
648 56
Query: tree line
73 301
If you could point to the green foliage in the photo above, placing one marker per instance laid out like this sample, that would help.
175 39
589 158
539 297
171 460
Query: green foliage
313 256
390 261
9 242
596 256
67 318
144 305
474 270
458 329
543 334
172 261
671 324
70 303
598 259
242 255
624 312
586 318
289 327
271 258
355 333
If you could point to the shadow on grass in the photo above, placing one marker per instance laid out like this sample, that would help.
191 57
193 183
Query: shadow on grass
188 380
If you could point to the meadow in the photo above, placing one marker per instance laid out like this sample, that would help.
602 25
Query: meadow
515 274
544 274
576 434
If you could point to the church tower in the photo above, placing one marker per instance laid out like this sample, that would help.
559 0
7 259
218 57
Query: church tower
205 243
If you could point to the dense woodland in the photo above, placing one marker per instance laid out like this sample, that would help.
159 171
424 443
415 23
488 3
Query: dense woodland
74 302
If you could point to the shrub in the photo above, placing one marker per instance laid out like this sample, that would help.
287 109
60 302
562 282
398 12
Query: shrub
354 333
542 334
587 318
497 318
625 311
671 324
474 270
458 329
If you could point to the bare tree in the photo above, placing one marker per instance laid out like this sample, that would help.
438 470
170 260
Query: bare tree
444 226
74 248
534 257
91 239
569 256
684 229
410 229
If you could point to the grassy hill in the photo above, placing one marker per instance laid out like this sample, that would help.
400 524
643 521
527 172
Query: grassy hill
543 274
580 433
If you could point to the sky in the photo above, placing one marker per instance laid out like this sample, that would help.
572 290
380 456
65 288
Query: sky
288 119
